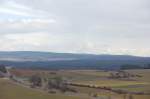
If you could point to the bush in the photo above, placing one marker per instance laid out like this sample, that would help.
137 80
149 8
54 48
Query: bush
60 84
3 69
36 81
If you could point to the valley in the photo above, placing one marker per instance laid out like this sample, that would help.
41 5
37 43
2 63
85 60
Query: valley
84 84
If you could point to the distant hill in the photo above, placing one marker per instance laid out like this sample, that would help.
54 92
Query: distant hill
50 56
68 60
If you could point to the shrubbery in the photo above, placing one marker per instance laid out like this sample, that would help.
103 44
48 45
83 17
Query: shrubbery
3 69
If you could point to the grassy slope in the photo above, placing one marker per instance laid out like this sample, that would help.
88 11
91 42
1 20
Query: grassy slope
8 90
144 82
112 83
97 81
145 73
94 77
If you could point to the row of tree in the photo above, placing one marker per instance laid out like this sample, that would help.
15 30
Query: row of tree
123 75
3 69
134 66
57 83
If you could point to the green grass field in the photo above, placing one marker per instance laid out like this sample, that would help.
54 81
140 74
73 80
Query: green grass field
84 77
9 90
100 78
111 83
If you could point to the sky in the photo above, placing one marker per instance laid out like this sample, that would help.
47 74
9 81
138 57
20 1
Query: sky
76 26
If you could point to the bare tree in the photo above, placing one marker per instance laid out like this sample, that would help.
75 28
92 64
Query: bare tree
36 81
3 69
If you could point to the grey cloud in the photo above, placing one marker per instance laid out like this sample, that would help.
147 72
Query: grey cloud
89 25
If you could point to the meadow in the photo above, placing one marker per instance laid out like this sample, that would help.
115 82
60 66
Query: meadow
9 90
97 78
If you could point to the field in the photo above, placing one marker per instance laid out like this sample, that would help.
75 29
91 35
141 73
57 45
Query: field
136 84
100 78
9 90
96 78
145 78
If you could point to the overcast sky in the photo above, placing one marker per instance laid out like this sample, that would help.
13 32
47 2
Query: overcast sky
78 26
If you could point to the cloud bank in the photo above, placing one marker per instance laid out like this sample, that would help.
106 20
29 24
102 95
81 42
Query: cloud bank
79 26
